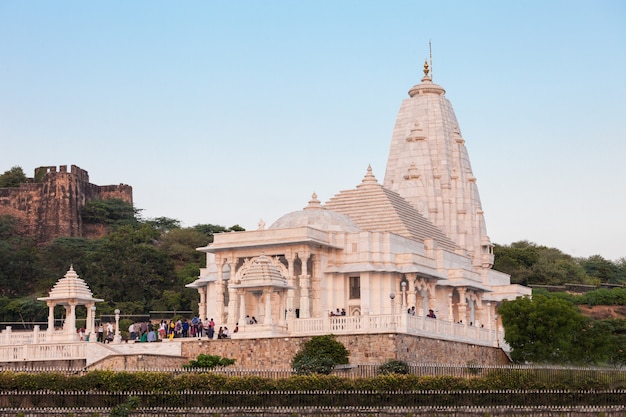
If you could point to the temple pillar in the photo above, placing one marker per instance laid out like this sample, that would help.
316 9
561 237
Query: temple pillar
232 303
412 292
462 305
268 306
202 291
50 316
305 285
304 297
219 293
291 293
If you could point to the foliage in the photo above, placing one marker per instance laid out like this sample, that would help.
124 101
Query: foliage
305 364
488 378
209 362
112 212
603 270
13 178
19 263
532 264
125 409
394 366
210 229
164 224
551 329
319 355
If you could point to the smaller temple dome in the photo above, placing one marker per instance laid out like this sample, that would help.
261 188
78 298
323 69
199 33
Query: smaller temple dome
70 287
262 273
317 217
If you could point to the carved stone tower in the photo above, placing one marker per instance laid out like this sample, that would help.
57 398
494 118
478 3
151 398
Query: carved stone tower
429 166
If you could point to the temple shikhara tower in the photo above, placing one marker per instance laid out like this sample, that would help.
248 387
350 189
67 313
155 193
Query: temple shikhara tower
408 256
429 166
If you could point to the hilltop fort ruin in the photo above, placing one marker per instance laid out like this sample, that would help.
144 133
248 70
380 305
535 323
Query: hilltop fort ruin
50 204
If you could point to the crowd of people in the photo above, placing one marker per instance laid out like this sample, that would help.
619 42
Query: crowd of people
181 328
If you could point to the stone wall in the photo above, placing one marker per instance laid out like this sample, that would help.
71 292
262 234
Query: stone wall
50 206
276 353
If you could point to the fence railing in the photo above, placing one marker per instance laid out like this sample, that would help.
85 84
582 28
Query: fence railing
399 323
314 398
600 376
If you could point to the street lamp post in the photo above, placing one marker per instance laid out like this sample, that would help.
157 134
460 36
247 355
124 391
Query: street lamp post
495 319
118 337
392 296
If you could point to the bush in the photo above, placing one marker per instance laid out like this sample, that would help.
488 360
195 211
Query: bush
320 355
305 365
394 366
209 362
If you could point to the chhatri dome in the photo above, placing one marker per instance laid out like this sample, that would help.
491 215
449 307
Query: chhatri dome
316 216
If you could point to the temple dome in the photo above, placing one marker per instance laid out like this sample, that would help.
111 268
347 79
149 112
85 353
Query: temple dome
317 217
70 286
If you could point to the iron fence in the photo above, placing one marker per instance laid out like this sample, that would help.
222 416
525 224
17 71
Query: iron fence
306 399
602 376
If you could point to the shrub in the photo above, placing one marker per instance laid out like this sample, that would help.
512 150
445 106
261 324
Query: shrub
320 355
394 366
208 362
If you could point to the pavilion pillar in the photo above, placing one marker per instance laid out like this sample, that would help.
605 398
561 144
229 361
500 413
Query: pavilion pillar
50 316
202 304
305 283
232 304
268 306
462 305
242 307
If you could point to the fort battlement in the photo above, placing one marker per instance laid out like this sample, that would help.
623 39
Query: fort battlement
49 205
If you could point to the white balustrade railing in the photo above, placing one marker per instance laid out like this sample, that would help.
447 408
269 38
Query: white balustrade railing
396 323
42 345
42 352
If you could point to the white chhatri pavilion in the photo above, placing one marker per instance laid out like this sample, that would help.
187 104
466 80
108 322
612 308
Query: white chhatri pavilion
70 292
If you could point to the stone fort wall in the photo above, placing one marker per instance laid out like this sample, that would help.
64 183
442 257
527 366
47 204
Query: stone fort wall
50 205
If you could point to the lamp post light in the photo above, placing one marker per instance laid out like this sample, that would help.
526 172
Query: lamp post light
495 319
392 296
118 337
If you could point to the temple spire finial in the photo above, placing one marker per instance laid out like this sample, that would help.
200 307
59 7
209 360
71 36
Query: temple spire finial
430 50
426 70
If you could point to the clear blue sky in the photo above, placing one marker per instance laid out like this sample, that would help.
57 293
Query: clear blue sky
226 112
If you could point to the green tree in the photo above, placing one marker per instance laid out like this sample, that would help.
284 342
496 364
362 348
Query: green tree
19 266
13 177
210 229
112 212
209 362
320 355
394 366
604 270
164 224
529 264
550 329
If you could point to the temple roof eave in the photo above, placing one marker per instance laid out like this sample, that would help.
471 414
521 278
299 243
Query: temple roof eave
463 282
79 300
368 267
260 287
269 238
201 281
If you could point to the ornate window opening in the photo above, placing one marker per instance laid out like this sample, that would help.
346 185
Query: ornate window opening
355 288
